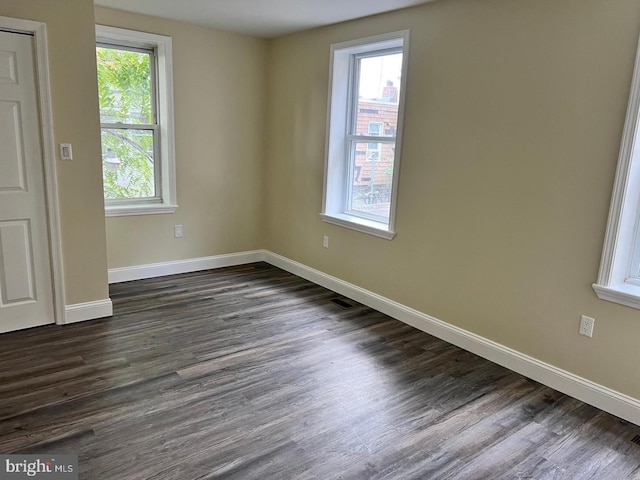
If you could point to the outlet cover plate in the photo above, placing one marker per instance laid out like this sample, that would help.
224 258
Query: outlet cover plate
586 326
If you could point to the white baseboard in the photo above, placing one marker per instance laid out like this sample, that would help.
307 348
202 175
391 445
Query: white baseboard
139 272
585 390
88 311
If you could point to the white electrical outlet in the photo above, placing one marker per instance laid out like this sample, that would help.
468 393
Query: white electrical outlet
586 326
177 231
325 241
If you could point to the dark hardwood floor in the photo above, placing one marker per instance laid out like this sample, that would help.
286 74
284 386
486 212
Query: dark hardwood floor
252 373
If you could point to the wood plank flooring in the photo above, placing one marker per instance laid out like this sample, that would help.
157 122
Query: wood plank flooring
252 373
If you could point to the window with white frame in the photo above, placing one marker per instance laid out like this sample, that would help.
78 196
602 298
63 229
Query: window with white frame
135 81
619 275
367 85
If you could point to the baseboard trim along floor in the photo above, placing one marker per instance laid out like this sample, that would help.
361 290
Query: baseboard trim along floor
79 312
566 382
139 272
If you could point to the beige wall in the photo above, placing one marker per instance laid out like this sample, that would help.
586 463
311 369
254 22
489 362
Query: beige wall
514 116
219 93
75 113
513 121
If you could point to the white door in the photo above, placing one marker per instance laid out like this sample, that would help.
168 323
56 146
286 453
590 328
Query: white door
26 292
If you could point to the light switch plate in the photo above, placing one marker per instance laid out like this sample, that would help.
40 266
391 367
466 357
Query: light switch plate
66 153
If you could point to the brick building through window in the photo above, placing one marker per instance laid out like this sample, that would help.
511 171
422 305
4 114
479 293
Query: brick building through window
373 169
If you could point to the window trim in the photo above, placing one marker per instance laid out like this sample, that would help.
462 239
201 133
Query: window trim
337 139
624 213
162 46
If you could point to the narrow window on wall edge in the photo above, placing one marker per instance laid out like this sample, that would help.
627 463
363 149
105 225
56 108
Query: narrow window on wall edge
366 104
619 276
136 118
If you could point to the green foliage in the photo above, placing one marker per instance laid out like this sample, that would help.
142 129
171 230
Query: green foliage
125 94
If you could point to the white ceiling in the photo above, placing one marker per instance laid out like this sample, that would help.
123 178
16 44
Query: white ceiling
260 18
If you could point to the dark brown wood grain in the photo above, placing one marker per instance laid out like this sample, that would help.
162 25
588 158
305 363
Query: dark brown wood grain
252 373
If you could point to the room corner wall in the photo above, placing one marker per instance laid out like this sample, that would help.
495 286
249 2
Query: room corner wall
219 96
513 122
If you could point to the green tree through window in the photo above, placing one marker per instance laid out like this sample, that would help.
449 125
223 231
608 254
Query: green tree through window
129 127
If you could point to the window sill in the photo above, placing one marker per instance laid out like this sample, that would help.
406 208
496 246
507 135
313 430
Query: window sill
359 224
131 210
624 294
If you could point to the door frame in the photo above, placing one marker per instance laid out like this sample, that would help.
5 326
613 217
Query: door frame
41 52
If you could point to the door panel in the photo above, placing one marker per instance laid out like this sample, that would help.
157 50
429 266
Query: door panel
26 293
8 67
12 171
16 263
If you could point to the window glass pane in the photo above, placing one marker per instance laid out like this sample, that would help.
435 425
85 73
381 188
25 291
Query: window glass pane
378 94
634 265
371 179
128 163
124 86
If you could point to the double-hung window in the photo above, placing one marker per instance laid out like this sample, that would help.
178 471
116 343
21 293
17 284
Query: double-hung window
136 119
363 139
619 276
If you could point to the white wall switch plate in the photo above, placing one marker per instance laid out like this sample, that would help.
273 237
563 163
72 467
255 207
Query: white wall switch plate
66 152
177 231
